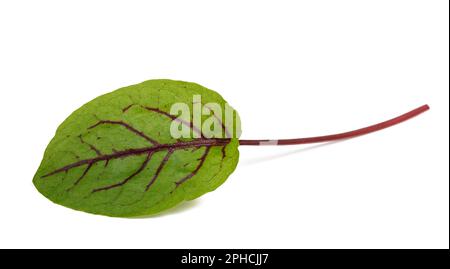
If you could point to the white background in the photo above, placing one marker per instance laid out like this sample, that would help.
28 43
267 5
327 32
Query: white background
291 68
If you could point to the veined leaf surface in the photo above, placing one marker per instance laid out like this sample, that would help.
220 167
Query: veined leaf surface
115 155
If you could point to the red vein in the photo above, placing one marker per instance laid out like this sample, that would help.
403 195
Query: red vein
193 173
90 146
158 171
139 170
129 127
140 151
346 135
126 108
224 154
82 176
224 128
175 118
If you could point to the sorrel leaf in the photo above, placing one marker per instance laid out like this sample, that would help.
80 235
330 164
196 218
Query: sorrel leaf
115 155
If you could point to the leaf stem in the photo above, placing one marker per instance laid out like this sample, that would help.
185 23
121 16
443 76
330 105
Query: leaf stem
345 135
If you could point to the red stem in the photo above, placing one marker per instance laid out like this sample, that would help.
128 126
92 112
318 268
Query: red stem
346 135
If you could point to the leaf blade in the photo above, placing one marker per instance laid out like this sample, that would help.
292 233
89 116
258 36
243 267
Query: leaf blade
119 169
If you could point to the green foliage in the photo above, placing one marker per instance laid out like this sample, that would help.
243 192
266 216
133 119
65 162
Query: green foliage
115 156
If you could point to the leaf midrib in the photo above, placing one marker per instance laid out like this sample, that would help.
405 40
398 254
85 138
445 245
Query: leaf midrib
139 151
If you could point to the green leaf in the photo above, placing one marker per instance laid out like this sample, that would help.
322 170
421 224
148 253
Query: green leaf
115 155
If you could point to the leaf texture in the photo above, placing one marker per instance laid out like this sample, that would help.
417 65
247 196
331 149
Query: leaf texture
115 156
